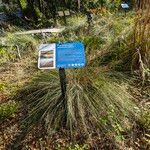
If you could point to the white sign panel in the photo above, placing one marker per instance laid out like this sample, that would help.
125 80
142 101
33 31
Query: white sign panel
125 6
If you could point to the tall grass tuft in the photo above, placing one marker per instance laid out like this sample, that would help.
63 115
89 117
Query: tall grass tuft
94 103
141 41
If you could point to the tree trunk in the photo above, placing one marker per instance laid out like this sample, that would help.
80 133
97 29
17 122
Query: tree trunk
31 10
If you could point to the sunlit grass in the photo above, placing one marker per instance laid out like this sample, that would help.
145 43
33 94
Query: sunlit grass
76 21
8 110
94 103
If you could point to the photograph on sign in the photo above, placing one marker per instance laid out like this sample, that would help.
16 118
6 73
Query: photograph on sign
46 56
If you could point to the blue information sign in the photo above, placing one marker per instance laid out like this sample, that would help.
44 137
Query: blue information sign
61 55
70 55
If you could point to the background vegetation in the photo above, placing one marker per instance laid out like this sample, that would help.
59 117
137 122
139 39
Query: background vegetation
107 102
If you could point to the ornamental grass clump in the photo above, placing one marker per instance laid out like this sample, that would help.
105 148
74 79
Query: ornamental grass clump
94 103
141 41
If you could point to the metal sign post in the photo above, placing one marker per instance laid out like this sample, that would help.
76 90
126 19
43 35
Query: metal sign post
63 82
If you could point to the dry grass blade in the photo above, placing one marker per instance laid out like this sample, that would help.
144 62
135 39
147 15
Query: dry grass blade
141 43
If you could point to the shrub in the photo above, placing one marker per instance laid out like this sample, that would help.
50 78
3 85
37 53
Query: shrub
8 109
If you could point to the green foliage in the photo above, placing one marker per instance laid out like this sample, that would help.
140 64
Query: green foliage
145 118
93 44
12 39
11 43
78 147
39 8
8 109
73 147
93 3
6 55
2 8
96 102
114 5
76 22
2 86
39 14
23 4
